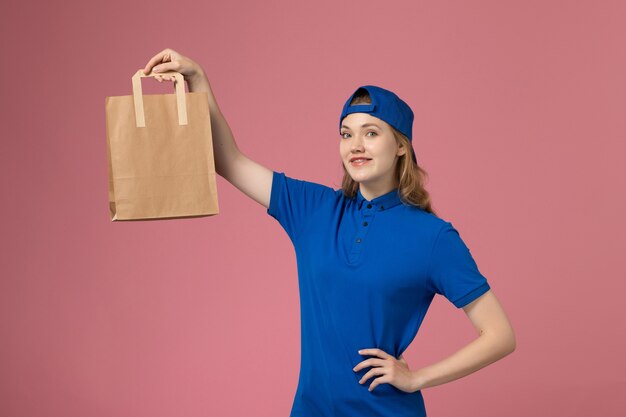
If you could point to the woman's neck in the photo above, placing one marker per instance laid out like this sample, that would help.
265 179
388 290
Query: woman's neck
371 191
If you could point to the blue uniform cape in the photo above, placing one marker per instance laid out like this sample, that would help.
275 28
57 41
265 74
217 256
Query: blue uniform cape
367 273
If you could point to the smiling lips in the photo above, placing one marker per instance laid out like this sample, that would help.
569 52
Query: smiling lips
359 161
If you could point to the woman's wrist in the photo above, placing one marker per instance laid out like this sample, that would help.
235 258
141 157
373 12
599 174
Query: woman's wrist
419 380
198 82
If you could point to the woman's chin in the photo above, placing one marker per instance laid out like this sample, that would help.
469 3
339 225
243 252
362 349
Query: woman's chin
360 178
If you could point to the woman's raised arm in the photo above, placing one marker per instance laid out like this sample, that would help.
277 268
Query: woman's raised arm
250 177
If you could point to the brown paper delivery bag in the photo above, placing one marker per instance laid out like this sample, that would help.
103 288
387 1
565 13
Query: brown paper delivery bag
160 153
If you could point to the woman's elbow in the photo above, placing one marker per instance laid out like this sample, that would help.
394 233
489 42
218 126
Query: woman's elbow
503 340
511 347
510 342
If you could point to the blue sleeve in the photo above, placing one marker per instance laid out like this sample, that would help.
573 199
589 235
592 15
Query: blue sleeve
453 272
293 202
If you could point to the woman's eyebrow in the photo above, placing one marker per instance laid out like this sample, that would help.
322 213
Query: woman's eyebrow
362 126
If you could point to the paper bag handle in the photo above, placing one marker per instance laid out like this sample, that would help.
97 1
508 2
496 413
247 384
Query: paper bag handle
138 96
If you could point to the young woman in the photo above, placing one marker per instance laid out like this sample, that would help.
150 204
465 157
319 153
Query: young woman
371 256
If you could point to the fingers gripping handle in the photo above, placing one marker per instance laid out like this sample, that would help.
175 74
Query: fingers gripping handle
181 103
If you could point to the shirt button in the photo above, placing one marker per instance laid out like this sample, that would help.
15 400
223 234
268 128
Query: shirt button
364 223
358 240
382 207
369 206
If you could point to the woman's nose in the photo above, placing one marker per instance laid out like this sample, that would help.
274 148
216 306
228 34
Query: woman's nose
356 143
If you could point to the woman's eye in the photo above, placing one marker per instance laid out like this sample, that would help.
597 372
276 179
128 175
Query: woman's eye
346 133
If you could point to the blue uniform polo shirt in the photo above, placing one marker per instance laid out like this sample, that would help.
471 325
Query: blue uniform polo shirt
367 273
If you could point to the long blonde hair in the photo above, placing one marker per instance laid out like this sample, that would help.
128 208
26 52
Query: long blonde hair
411 177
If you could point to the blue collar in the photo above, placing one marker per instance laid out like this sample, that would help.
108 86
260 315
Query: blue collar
382 202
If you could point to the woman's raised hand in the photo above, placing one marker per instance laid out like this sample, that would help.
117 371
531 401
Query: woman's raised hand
170 60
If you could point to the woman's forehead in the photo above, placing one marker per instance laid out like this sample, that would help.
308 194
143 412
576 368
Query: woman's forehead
356 121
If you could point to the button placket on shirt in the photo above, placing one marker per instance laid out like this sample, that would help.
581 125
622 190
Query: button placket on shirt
368 212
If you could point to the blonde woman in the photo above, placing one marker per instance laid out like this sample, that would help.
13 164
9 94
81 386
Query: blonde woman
370 256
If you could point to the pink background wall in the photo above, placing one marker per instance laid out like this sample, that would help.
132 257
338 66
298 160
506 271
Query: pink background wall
519 122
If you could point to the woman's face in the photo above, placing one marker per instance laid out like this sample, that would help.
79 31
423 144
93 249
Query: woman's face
366 136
